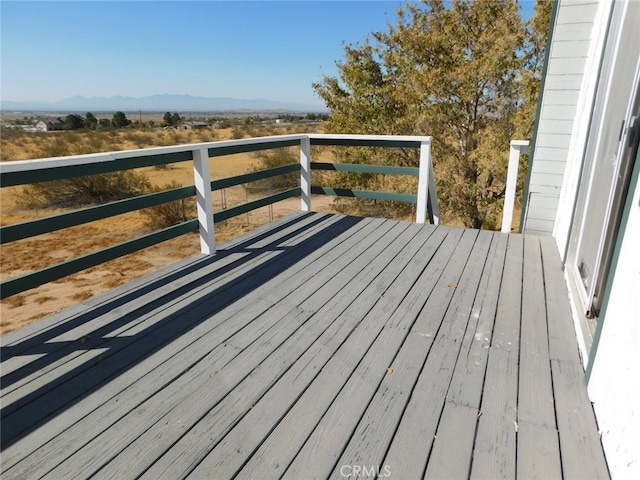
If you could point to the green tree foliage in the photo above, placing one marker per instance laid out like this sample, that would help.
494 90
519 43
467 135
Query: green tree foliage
120 120
73 122
451 70
90 121
171 119
537 31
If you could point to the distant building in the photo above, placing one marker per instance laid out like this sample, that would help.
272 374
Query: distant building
50 124
191 125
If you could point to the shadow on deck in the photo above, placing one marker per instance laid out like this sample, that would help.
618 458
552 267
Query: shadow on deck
318 346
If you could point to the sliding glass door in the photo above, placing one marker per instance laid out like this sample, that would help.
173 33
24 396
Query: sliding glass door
609 159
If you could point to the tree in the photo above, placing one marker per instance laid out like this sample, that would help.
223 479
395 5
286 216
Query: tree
171 119
73 122
120 120
537 31
90 121
450 70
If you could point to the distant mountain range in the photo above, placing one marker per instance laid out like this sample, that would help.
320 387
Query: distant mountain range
156 103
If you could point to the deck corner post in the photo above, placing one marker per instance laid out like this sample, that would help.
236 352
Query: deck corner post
517 148
204 201
305 173
427 201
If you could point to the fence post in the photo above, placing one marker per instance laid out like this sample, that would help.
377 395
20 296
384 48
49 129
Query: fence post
305 174
517 148
427 197
204 200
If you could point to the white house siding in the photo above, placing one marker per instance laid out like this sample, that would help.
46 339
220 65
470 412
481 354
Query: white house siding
571 55
614 385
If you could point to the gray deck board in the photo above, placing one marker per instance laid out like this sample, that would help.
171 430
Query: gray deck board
538 453
578 432
159 359
393 319
318 343
494 454
319 319
414 438
258 423
377 426
454 440
203 348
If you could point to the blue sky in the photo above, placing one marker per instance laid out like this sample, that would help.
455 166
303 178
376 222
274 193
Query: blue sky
273 50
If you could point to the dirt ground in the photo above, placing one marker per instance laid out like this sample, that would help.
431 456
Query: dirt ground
38 252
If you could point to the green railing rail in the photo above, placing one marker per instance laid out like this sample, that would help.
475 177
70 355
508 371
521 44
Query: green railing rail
42 170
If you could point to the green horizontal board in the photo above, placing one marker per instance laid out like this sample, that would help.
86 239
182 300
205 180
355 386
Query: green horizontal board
59 173
60 270
347 192
252 177
18 231
354 142
252 147
356 168
262 202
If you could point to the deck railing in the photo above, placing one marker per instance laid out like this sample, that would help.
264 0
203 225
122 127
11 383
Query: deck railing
43 170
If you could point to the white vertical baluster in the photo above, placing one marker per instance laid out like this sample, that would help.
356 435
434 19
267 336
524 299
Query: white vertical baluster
517 148
305 174
433 193
204 201
425 172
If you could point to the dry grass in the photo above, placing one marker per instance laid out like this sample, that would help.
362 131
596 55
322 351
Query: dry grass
38 252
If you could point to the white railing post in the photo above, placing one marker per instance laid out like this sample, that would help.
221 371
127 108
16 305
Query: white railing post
517 148
204 200
305 174
433 195
426 186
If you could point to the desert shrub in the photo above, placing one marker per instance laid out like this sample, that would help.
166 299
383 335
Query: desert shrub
87 190
170 213
56 148
205 135
140 139
95 141
277 158
238 132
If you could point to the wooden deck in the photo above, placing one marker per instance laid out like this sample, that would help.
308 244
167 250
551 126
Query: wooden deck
321 346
